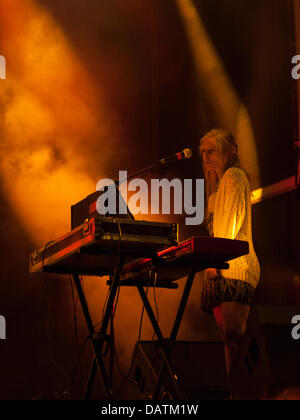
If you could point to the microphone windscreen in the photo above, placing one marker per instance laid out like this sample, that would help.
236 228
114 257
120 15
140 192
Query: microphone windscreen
188 153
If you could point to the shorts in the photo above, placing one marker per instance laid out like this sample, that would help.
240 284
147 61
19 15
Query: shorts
221 290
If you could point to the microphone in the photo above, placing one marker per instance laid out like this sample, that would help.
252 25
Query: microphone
185 154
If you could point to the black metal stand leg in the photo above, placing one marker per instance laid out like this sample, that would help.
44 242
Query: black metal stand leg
163 348
110 303
92 374
98 339
182 305
90 381
166 351
176 327
111 351
150 313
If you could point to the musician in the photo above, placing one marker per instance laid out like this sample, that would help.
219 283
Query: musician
228 294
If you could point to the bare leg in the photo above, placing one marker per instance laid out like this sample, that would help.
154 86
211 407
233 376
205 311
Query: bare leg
234 317
218 317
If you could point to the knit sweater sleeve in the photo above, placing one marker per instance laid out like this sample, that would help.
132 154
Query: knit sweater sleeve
230 204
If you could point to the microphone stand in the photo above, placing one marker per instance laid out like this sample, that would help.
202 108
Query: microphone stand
117 182
160 162
141 171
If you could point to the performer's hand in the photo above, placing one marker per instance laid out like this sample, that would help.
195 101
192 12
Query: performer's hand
212 273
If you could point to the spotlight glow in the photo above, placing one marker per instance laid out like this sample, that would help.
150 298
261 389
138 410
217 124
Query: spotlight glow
220 95
50 124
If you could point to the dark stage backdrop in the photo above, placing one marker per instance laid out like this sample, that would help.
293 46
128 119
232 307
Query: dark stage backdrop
142 67
256 42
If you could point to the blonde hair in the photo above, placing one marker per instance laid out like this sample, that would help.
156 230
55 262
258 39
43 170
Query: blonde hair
228 148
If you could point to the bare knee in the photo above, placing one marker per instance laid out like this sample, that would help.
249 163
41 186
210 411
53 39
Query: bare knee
218 317
234 320
233 333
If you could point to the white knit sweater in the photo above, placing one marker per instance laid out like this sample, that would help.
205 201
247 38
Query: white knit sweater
231 208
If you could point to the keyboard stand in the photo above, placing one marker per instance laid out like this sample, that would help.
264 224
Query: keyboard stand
166 344
98 339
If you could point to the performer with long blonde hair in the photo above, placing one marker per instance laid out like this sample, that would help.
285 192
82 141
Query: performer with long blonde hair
228 294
